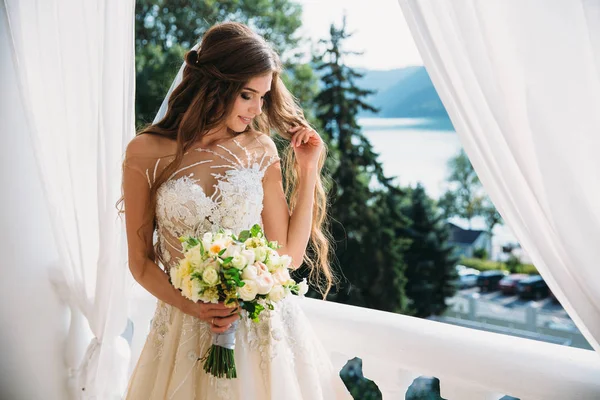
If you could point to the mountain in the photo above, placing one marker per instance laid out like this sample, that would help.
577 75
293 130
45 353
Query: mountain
402 93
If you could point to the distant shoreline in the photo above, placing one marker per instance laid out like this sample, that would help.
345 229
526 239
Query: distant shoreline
437 124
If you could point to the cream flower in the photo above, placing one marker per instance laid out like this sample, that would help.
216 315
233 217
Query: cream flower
250 256
210 276
302 287
239 261
250 272
260 253
277 293
193 256
248 291
281 276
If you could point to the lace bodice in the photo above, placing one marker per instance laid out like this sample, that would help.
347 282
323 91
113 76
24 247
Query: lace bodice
213 188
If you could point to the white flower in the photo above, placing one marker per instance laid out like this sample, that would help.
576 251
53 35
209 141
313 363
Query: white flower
281 276
175 277
207 239
274 260
210 276
277 293
248 291
250 272
216 247
249 255
196 287
285 260
187 287
232 251
193 256
210 295
239 261
302 287
260 253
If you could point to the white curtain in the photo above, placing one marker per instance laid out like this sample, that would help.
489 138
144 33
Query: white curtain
75 64
521 82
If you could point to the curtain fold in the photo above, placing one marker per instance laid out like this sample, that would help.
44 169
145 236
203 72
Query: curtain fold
521 83
76 73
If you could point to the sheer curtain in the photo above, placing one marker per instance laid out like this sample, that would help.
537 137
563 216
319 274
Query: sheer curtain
75 64
521 82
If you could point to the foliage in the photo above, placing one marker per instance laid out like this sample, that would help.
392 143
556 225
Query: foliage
465 198
366 219
166 29
487 265
481 253
430 264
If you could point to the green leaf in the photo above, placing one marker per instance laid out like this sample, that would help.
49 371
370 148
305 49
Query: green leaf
256 230
244 235
227 260
222 251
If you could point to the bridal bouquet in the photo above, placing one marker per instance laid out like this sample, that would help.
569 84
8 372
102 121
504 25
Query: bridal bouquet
242 271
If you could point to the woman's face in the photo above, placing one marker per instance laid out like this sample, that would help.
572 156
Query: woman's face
249 102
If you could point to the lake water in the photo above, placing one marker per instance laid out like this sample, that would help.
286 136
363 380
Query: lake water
418 150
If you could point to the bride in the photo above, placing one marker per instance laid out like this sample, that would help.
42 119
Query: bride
207 163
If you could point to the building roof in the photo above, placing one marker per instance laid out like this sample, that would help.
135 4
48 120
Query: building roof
463 236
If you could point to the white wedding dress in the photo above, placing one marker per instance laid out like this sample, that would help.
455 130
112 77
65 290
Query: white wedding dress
279 357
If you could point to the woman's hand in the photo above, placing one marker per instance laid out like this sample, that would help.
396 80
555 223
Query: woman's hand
218 316
307 145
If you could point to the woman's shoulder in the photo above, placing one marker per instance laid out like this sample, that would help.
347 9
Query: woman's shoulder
259 141
150 146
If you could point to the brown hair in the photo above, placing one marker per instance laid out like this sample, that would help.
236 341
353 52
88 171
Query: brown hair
230 55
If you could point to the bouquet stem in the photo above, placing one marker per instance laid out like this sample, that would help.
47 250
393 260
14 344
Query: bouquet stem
220 360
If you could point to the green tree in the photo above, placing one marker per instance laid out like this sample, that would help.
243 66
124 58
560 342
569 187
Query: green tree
466 198
166 29
365 217
430 266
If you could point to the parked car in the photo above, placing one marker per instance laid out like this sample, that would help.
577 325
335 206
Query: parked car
508 284
533 287
487 281
467 277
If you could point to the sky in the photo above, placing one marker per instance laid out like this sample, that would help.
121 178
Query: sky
379 26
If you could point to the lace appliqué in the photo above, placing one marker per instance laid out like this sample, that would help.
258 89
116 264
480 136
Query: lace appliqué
160 326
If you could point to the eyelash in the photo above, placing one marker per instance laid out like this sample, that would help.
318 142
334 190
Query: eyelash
246 96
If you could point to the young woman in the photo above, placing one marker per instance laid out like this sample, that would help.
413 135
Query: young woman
210 163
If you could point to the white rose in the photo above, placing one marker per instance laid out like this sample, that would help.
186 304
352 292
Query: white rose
274 260
302 287
260 253
210 276
277 293
193 256
239 261
249 255
281 276
232 251
248 291
207 239
264 283
285 261
250 272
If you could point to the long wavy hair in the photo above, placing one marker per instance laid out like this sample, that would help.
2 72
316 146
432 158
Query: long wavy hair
229 56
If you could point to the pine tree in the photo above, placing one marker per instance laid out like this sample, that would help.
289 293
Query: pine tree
365 220
430 265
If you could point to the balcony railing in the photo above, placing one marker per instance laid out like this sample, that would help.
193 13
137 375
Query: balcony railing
470 364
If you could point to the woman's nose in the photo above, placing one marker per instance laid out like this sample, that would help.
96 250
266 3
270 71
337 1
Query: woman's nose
256 107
